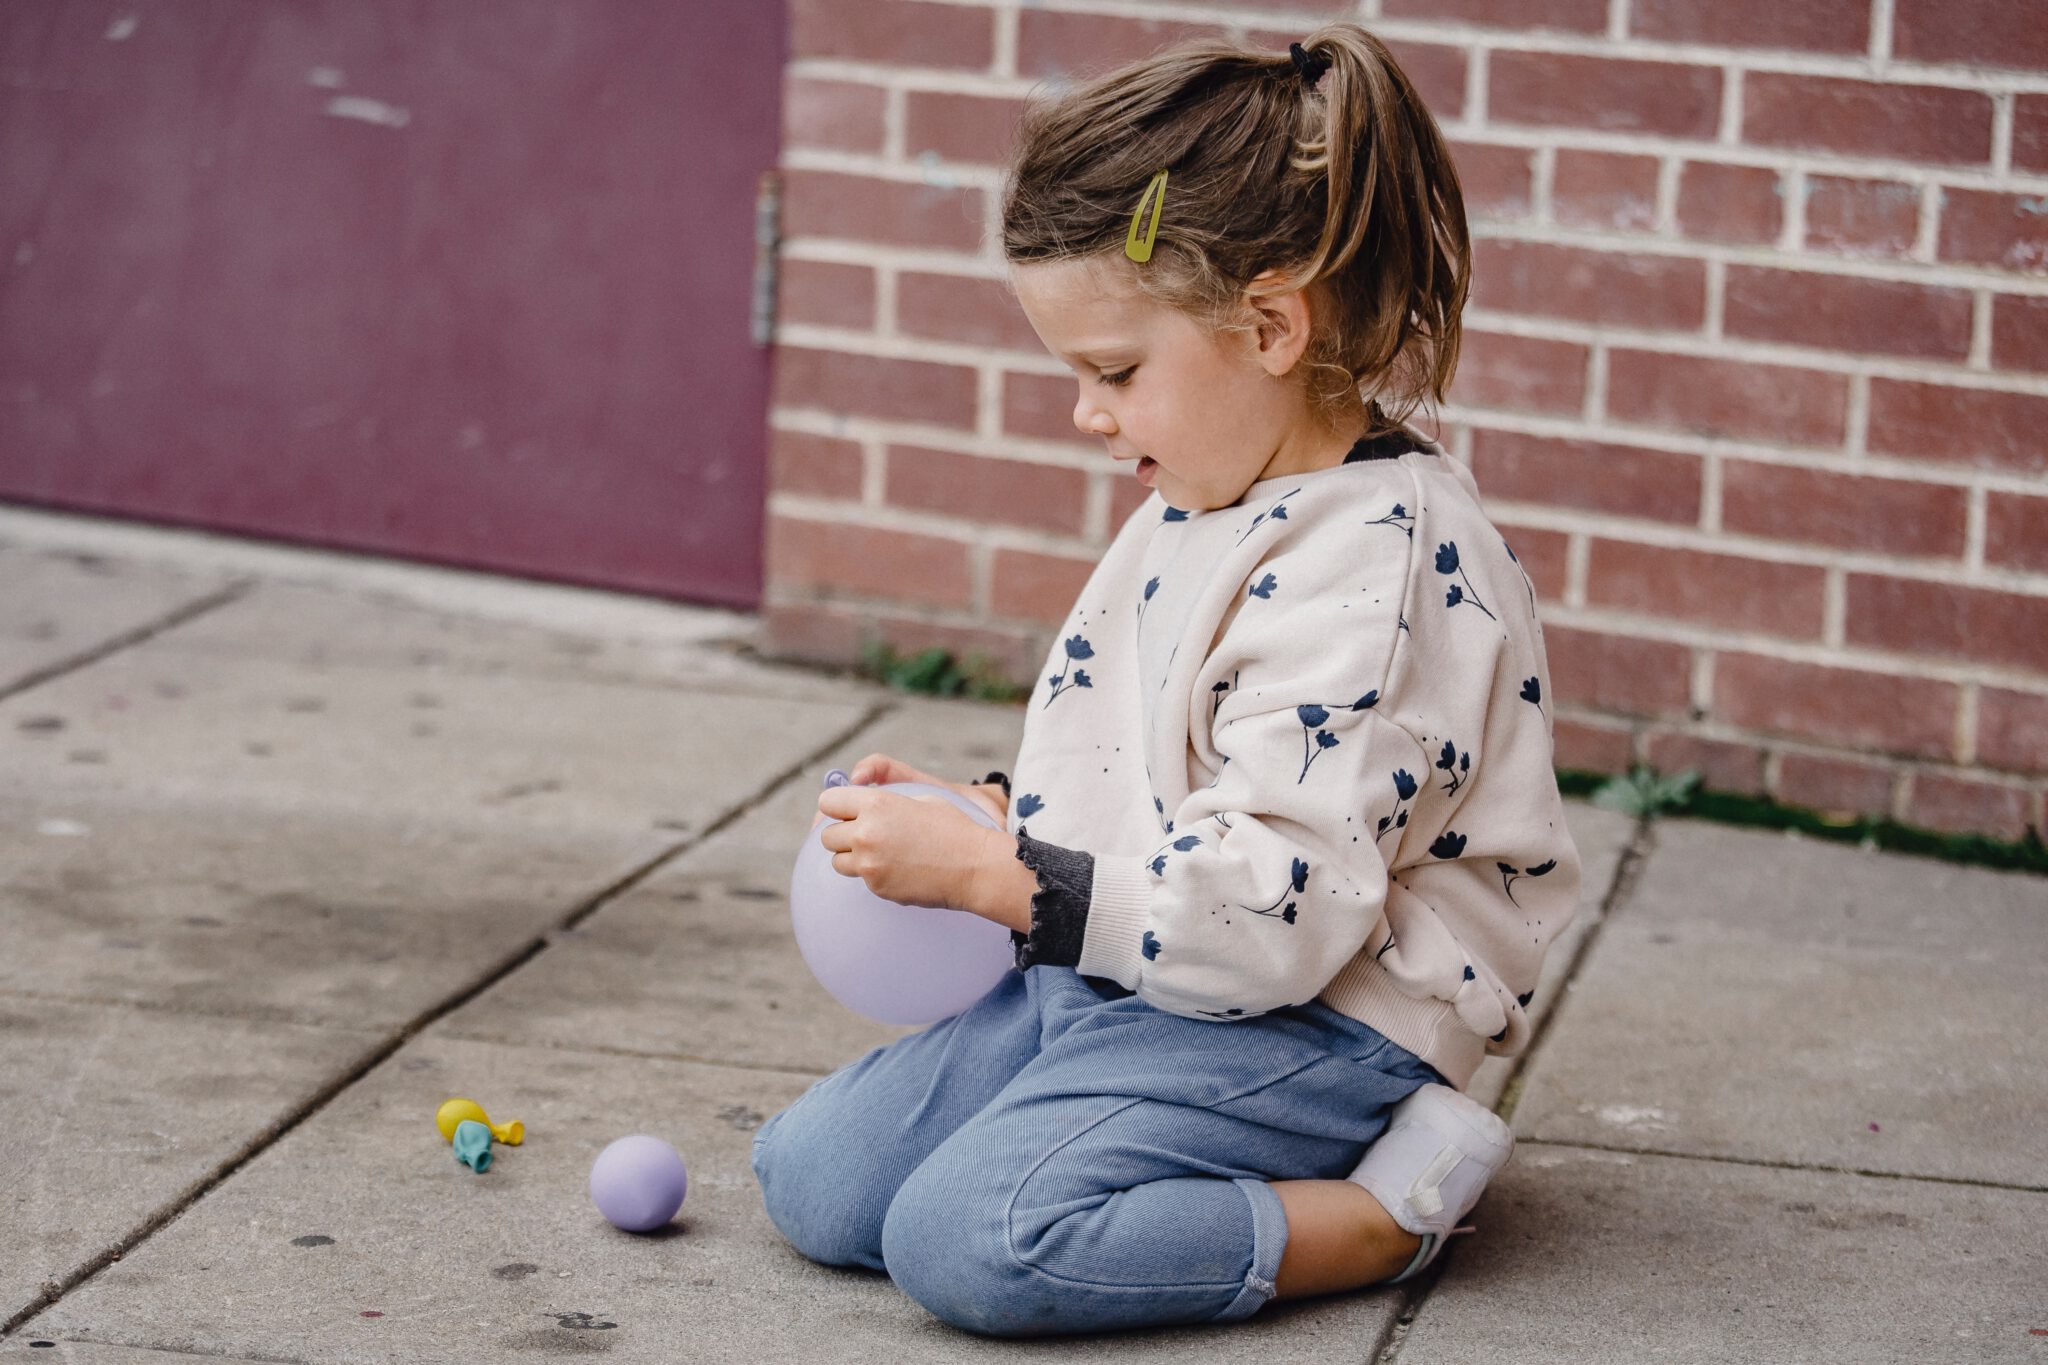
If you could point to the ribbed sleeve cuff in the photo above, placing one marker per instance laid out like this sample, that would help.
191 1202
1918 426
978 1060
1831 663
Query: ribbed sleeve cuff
1059 908
1117 913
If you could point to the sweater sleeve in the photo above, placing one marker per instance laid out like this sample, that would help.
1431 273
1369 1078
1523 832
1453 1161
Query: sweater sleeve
1271 879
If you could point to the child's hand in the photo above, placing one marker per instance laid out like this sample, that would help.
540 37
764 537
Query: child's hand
879 770
911 850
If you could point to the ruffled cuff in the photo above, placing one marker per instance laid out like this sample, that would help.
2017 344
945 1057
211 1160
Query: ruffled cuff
1059 908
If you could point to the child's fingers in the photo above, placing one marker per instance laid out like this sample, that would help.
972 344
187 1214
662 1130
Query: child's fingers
872 771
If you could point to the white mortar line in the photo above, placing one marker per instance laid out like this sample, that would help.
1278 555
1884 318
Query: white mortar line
1980 330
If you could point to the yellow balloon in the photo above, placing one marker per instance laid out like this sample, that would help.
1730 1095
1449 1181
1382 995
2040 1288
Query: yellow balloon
453 1112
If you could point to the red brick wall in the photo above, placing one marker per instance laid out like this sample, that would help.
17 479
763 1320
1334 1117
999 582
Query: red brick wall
1756 377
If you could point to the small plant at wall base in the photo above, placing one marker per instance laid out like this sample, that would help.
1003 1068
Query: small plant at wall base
1642 791
933 672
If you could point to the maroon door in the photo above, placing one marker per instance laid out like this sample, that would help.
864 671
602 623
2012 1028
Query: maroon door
460 281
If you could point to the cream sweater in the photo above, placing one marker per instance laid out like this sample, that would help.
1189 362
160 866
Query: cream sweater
1306 742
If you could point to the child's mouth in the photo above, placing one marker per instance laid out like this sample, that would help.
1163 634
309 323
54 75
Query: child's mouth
1146 466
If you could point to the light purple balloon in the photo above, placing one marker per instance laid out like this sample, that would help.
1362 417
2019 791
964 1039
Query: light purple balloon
638 1182
896 964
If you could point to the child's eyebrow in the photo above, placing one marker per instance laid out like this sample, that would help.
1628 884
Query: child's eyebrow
1096 350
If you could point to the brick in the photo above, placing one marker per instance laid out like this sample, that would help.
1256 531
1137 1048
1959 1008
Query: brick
1956 804
1732 591
1588 747
1946 621
1625 481
1808 26
875 386
1435 70
1497 182
1604 190
1573 16
820 466
1527 374
1042 405
1928 123
1857 708
1555 89
972 128
1981 428
1723 765
2030 133
2016 531
818 632
825 292
1861 217
1842 787
1057 43
985 488
2012 730
1727 397
2019 332
1848 511
1848 313
978 311
864 209
1623 673
1987 227
839 115
1724 203
899 32
869 561
1612 287
1037 587
2012 33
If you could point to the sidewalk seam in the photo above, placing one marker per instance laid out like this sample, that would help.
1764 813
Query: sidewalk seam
1627 872
178 616
52 1292
1760 1164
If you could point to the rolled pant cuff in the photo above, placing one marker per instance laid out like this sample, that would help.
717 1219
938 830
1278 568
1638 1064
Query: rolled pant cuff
1269 1240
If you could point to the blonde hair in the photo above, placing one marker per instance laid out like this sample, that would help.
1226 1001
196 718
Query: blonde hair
1345 188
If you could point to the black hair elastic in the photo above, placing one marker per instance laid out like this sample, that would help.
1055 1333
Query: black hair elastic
1310 66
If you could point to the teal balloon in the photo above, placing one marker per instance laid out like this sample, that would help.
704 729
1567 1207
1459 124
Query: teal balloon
473 1145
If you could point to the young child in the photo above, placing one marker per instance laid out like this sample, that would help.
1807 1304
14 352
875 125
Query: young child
1286 848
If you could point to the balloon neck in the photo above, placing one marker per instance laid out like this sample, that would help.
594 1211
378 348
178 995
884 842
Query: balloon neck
836 778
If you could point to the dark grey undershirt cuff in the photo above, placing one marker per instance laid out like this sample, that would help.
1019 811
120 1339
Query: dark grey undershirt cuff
1059 908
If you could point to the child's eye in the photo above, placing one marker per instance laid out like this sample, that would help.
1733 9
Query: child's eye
1120 378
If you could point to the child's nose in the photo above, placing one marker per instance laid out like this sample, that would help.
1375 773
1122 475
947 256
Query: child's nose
1091 418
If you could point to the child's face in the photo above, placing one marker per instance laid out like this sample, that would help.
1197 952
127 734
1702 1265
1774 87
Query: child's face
1192 408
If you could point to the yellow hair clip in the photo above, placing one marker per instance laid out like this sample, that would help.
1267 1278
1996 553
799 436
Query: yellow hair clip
1135 248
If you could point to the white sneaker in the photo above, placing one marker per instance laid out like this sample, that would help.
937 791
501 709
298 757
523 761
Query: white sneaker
1432 1164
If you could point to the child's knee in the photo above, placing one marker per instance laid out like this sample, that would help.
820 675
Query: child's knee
810 1203
945 1245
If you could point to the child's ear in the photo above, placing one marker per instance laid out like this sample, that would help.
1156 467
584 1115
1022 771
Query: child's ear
1282 321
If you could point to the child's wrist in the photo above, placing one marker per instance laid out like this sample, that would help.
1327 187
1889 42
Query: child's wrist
999 887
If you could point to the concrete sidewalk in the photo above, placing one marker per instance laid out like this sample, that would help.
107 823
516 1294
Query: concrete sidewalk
295 846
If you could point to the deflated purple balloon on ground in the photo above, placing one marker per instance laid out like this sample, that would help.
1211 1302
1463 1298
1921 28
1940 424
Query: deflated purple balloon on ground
896 964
